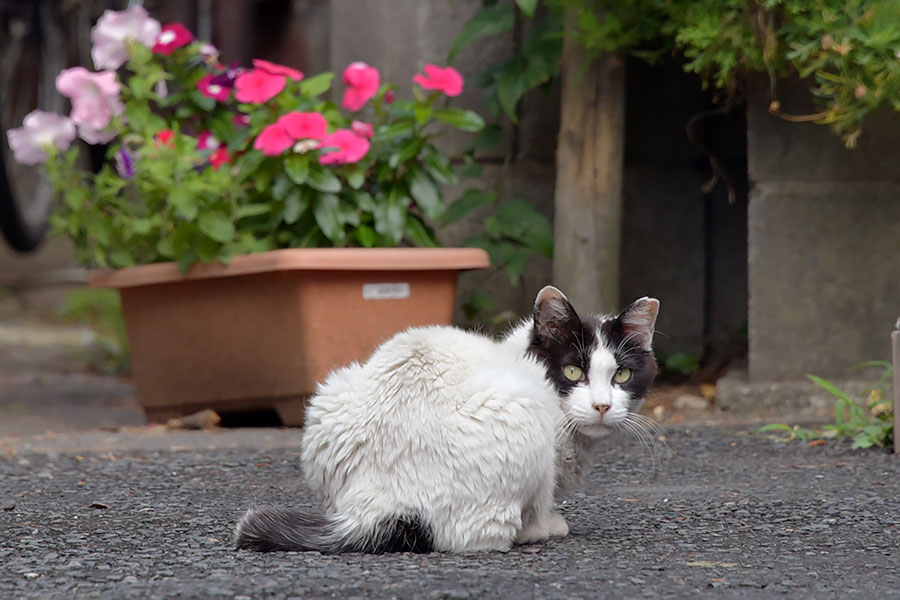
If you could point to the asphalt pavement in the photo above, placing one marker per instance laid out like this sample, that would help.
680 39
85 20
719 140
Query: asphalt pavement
720 512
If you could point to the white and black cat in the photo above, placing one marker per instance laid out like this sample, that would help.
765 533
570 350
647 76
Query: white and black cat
447 440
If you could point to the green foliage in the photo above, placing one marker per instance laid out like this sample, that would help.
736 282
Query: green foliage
679 362
847 50
178 205
870 423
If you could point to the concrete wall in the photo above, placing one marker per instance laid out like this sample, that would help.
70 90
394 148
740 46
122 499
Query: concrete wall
824 238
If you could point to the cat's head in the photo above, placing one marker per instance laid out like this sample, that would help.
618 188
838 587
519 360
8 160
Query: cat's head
601 366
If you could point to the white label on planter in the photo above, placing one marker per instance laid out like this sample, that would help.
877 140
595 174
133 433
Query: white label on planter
385 291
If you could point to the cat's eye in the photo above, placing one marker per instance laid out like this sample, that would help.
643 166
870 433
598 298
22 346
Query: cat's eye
623 374
573 373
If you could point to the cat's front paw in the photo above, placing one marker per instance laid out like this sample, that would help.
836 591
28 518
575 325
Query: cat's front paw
535 531
556 525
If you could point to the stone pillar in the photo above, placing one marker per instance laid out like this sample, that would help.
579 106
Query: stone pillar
824 243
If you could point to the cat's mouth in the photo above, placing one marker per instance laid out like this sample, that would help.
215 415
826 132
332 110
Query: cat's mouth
595 429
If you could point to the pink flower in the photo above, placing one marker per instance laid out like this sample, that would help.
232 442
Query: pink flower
240 121
273 140
113 32
447 80
389 97
362 129
304 125
172 37
96 136
258 86
207 141
219 157
209 89
39 131
346 147
275 69
165 138
95 96
362 83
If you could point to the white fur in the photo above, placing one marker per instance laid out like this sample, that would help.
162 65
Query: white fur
442 424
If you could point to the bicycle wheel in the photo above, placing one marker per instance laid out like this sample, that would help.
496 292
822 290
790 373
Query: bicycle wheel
32 47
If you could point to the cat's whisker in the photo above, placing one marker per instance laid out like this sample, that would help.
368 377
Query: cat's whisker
639 434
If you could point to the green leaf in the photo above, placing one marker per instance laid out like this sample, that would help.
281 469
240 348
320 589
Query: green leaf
252 210
317 84
281 187
294 206
419 234
364 201
398 129
356 178
324 181
121 258
216 226
185 202
469 201
297 168
426 194
527 6
390 218
465 120
492 20
327 212
488 137
366 236
829 387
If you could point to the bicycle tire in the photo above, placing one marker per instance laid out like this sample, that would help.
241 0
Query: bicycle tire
26 198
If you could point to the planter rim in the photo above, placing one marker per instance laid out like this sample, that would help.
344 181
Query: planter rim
301 259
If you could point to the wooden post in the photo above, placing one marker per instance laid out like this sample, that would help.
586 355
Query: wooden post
589 173
895 346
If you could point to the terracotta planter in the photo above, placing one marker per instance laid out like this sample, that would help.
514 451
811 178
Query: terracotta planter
260 332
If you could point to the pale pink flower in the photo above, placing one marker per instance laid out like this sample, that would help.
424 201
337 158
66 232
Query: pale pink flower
115 30
304 125
343 147
94 96
258 86
276 69
362 83
362 129
96 136
304 146
39 131
447 80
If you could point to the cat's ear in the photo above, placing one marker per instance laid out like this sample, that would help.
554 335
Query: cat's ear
639 319
554 316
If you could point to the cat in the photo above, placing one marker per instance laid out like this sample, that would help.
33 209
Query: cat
446 440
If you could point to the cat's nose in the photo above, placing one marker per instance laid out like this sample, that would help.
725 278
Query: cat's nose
602 408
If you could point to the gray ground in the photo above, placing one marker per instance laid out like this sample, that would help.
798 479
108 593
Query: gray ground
148 514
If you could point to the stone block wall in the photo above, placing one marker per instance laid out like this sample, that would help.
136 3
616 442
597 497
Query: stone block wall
824 243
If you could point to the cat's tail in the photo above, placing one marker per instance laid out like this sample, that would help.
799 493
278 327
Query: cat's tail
268 528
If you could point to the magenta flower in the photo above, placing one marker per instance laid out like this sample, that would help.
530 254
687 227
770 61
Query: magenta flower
258 86
362 129
345 147
115 30
273 140
362 83
276 69
39 131
240 121
447 80
212 90
172 37
94 96
207 141
219 157
299 125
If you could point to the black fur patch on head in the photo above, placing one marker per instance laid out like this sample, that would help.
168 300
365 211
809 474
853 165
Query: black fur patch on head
630 353
559 339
